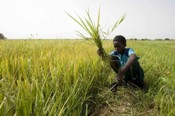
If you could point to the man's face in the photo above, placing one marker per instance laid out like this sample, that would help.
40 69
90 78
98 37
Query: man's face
120 47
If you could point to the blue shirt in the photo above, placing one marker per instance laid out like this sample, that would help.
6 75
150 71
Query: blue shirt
123 57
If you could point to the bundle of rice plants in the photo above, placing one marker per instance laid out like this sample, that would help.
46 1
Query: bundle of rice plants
94 31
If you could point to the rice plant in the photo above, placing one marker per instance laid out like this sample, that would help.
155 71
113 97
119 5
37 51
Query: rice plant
54 77
94 31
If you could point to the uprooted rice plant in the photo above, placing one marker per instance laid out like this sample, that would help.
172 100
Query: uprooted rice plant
67 78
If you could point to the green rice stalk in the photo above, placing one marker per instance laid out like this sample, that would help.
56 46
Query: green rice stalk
94 31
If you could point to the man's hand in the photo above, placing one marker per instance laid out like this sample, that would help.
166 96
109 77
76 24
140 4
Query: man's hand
119 79
100 52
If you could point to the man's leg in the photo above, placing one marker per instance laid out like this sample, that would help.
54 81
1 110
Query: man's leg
135 75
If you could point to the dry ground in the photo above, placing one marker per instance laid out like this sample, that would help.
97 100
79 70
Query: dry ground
125 102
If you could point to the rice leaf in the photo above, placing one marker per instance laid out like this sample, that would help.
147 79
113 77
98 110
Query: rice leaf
118 22
98 22
76 20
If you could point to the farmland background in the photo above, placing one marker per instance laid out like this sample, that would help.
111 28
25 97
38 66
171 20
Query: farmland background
66 77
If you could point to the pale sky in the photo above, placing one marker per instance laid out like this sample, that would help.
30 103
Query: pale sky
47 18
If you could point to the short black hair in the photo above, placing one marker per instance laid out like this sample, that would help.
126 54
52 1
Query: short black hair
120 38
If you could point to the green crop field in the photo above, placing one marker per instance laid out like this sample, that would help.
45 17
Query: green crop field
67 78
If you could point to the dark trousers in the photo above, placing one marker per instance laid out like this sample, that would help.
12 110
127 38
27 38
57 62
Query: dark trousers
134 74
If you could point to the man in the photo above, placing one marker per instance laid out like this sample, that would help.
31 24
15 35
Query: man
125 63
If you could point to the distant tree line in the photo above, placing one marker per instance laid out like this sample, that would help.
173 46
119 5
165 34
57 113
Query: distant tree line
2 36
146 39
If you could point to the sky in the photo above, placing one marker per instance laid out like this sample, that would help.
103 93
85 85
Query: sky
152 19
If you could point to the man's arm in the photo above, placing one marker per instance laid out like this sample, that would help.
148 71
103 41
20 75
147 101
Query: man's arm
128 64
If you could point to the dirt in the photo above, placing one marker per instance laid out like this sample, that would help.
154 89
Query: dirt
122 104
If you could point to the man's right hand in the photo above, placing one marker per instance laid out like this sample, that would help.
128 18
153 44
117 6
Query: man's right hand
100 51
119 80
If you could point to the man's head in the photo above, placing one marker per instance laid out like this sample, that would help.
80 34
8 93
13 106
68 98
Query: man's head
119 43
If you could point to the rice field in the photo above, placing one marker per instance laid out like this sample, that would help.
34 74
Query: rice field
67 78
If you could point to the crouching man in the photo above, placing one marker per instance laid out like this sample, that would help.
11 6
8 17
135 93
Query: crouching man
125 63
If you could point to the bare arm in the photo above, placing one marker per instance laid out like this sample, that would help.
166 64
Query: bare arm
128 64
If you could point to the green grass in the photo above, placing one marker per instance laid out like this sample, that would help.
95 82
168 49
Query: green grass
67 78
